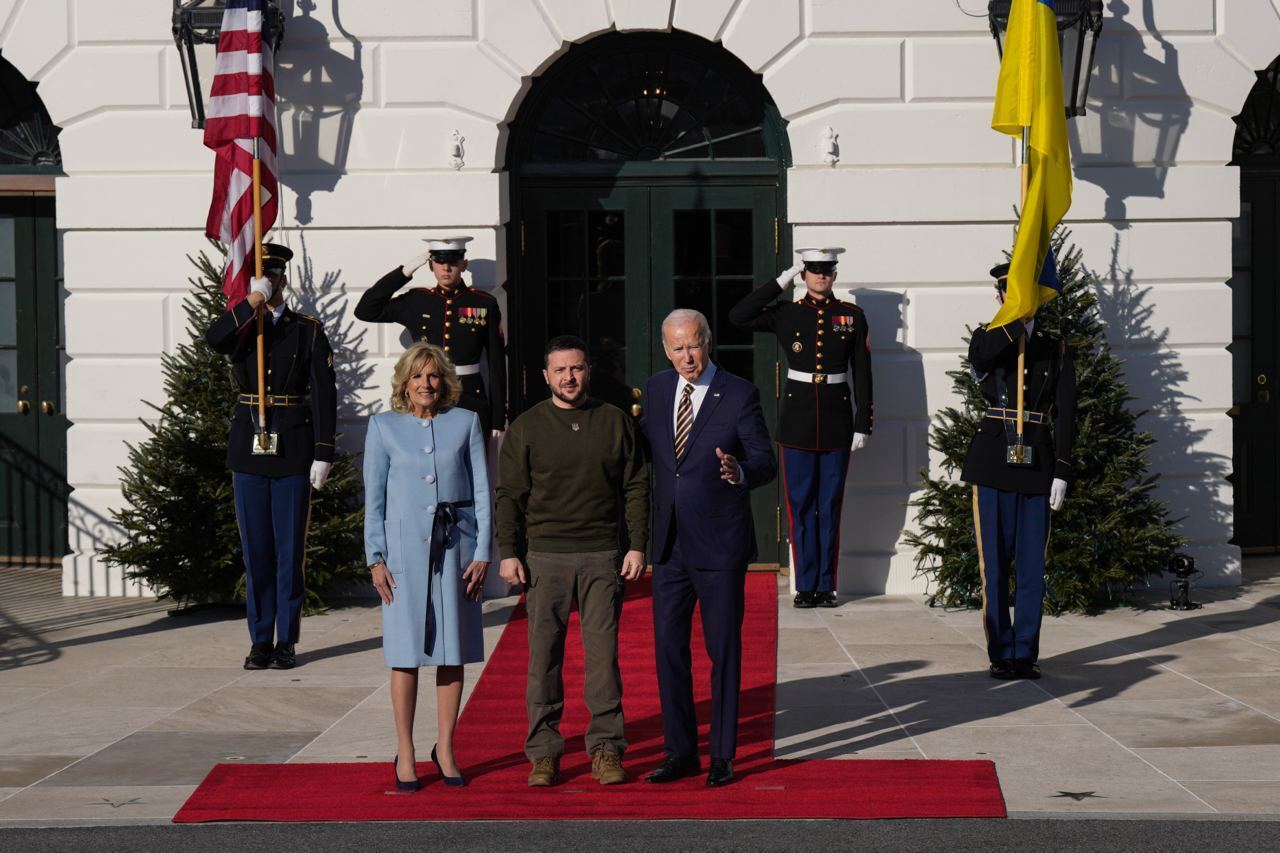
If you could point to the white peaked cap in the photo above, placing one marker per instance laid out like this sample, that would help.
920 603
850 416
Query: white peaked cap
448 244
826 254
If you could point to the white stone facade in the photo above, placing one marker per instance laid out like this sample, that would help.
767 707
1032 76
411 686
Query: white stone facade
922 195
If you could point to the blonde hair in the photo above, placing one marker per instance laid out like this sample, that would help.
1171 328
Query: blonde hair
416 357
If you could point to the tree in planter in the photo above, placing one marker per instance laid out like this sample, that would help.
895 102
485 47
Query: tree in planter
180 527
1111 533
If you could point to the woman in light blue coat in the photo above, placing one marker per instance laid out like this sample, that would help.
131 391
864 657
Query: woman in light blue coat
427 530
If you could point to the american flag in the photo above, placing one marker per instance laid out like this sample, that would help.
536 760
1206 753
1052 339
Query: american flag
242 108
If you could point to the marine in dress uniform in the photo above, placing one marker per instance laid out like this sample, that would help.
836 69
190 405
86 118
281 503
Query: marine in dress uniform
826 408
1012 502
273 491
464 322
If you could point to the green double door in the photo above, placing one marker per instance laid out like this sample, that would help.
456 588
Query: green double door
608 263
33 428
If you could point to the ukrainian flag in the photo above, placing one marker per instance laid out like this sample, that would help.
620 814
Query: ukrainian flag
1029 94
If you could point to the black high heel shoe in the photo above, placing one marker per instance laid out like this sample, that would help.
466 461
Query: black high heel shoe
401 785
458 781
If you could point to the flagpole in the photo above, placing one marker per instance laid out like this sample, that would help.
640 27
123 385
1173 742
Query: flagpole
257 271
1022 341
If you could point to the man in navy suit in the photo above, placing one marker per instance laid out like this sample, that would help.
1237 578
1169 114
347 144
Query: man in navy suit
709 448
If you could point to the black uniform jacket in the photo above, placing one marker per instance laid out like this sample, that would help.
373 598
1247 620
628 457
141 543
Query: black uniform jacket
818 337
299 366
466 324
1050 382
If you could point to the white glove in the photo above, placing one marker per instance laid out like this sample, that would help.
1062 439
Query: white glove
410 267
860 440
263 286
319 474
1057 494
787 275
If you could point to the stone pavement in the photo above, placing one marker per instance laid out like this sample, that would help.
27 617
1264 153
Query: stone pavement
1142 711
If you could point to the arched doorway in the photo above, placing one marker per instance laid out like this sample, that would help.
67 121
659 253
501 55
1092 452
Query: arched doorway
33 428
647 173
1255 294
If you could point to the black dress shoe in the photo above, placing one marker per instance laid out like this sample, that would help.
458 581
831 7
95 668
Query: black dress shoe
673 768
721 772
284 657
401 785
825 599
1026 668
1003 670
259 656
804 600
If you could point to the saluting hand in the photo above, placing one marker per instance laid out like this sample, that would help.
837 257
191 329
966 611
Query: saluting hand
788 275
411 266
730 471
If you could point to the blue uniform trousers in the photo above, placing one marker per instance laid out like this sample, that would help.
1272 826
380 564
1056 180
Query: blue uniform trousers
1013 532
719 593
814 483
272 513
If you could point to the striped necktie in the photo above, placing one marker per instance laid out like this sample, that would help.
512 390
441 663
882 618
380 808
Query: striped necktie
684 420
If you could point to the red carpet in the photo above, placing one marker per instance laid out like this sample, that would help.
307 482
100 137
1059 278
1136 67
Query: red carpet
490 742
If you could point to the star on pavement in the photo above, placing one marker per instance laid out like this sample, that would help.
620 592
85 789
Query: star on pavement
115 804
1078 795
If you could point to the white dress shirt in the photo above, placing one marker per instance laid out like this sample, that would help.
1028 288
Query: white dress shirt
700 387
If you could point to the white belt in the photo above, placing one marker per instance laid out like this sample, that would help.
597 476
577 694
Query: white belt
466 369
818 378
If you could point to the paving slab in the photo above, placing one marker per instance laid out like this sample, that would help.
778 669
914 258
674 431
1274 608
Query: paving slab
1243 798
19 771
1216 763
149 759
99 803
1214 720
265 705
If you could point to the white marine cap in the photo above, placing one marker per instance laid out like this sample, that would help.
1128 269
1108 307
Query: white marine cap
448 244
809 255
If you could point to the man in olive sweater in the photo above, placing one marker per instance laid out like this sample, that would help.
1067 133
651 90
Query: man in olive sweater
573 499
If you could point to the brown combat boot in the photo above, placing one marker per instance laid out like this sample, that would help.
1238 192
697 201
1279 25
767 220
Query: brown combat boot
606 767
544 772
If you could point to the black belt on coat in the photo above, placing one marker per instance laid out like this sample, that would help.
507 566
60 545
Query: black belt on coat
442 528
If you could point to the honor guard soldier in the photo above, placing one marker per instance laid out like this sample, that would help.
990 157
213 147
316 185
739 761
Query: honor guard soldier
464 322
273 478
826 408
1019 474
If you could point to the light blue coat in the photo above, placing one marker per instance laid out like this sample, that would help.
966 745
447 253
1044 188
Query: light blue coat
410 465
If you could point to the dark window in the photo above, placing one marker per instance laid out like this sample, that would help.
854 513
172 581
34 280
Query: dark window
27 136
1258 125
650 101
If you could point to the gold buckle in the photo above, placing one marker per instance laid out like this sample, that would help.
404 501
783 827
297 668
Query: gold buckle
819 379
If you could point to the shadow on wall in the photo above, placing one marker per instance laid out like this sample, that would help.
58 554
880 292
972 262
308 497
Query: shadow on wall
318 92
1139 112
1192 481
325 297
883 475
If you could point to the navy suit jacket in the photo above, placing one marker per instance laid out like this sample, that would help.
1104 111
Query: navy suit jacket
712 517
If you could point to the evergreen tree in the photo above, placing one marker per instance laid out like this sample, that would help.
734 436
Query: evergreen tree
1111 533
180 527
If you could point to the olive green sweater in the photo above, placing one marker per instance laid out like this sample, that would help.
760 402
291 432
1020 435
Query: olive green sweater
572 481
